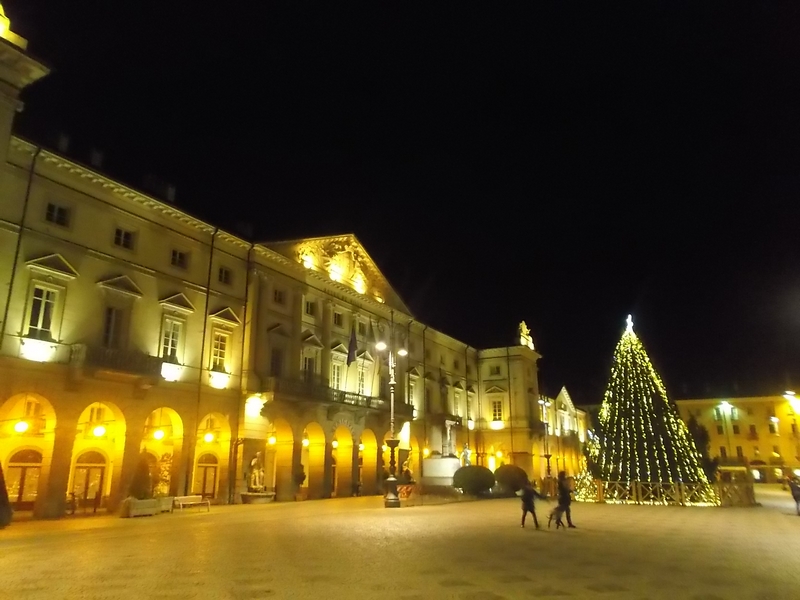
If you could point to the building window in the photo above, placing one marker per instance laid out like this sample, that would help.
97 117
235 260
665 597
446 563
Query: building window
735 430
494 370
219 351
276 362
309 366
338 319
739 452
720 430
180 259
362 382
336 375
497 410
310 306
749 410
123 238
723 452
112 327
97 414
457 403
456 364
43 306
773 428
469 369
410 391
278 297
224 275
753 432
58 215
776 451
171 339
362 328
718 414
734 413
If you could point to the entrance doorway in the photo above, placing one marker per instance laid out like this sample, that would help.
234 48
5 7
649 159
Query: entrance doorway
22 478
205 480
88 479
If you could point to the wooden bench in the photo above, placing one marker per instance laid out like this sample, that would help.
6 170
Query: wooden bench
196 500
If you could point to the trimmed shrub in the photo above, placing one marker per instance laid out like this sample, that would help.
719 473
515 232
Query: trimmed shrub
473 479
511 478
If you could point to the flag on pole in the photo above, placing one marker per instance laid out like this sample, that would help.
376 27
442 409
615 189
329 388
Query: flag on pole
352 347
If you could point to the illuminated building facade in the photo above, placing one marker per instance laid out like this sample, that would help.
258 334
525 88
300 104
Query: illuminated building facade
131 329
759 433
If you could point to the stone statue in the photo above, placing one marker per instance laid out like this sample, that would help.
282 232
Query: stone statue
256 474
465 455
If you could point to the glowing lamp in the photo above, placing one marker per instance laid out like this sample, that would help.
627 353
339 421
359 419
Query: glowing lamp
306 442
21 426
308 261
335 444
171 371
725 406
380 346
158 434
272 440
208 438
426 452
219 379
99 431
402 352
499 454
470 424
37 350
384 447
253 406
361 447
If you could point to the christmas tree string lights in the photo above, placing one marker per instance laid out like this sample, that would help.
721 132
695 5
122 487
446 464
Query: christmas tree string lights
641 437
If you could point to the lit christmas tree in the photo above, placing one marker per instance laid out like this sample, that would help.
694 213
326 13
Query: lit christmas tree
642 437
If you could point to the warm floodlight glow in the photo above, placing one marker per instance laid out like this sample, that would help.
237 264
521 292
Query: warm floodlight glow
219 379
496 425
380 346
253 406
308 261
272 440
725 406
361 447
37 350
470 424
402 352
306 442
99 431
158 434
359 284
499 454
334 444
336 271
208 438
171 371
21 426
384 447
426 452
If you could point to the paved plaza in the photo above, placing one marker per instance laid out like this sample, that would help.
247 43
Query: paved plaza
353 548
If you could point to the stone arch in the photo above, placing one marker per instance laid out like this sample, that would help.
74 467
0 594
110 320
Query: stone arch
312 459
343 444
89 481
22 471
368 462
213 437
279 459
163 436
101 427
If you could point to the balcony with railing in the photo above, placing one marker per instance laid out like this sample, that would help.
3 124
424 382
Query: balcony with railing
133 362
311 386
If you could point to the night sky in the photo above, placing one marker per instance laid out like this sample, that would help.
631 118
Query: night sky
566 165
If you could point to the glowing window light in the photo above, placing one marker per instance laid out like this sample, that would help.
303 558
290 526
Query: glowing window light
158 434
335 444
208 437
99 431
272 440
21 426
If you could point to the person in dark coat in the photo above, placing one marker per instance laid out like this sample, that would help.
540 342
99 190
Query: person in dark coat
794 486
564 500
528 496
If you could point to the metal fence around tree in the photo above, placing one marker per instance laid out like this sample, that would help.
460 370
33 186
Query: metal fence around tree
667 494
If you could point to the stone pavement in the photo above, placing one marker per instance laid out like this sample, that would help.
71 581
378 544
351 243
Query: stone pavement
353 548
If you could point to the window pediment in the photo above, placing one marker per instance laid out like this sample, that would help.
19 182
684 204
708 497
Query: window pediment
457 385
365 356
495 389
310 339
277 329
178 302
226 316
413 372
54 265
121 284
339 348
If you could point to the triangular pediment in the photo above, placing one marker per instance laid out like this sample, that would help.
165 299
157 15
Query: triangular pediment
339 348
343 259
444 380
310 339
226 316
414 372
495 389
277 329
565 400
121 284
365 356
177 302
429 376
54 265
470 389
457 385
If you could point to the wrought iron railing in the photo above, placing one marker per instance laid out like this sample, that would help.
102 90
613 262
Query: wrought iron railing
316 389
646 492
125 361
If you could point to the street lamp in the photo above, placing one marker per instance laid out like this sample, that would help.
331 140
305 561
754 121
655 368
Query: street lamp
725 408
391 500
545 404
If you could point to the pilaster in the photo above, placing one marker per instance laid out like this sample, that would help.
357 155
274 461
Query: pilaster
54 474
327 324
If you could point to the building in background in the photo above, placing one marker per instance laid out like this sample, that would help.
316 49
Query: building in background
759 433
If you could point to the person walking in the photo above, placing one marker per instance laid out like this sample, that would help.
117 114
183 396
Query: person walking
5 503
528 496
564 500
794 486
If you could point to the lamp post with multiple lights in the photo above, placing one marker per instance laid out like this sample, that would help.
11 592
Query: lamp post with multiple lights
545 404
725 409
391 500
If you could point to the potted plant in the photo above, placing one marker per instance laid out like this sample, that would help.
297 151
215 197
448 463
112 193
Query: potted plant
299 480
140 501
